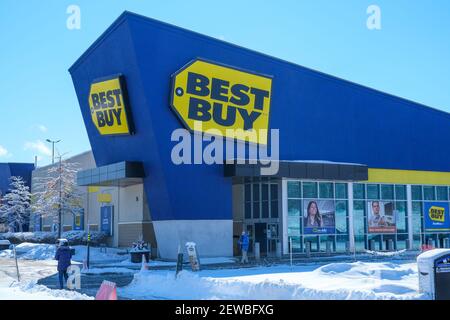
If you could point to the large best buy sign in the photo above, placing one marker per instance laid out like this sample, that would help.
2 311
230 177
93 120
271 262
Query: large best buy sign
108 105
230 101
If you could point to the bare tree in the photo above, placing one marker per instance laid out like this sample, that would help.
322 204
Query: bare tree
57 193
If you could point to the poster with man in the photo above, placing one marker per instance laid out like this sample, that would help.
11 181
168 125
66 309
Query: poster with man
381 217
319 217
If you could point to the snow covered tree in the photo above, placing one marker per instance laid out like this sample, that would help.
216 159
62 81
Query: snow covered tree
57 193
15 205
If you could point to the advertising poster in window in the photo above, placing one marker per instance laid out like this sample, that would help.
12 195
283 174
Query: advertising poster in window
106 216
436 216
78 220
381 217
319 217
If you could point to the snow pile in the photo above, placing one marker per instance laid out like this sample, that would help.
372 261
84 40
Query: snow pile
31 251
386 254
107 270
33 291
96 255
340 281
74 237
41 251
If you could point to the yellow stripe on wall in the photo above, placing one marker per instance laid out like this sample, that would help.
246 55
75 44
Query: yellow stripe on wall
408 177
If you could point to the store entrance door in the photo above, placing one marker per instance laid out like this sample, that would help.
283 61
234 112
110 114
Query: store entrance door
261 237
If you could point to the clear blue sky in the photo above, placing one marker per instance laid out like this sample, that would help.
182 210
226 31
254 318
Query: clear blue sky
408 57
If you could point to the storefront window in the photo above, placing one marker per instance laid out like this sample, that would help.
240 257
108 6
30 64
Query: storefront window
265 200
400 192
373 191
416 192
294 207
358 217
274 200
334 215
341 190
294 189
387 191
401 218
358 191
442 193
341 217
310 190
326 190
417 217
429 193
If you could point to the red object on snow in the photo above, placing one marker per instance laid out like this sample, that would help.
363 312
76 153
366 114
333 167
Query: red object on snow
107 291
426 247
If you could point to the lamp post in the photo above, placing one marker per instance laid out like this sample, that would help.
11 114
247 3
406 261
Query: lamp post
53 148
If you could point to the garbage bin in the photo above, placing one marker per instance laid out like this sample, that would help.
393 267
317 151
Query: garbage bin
434 273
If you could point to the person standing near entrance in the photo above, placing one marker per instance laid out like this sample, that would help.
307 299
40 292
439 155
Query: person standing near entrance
244 243
63 255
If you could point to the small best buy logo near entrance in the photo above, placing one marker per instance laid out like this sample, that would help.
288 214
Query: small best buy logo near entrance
107 102
222 98
437 213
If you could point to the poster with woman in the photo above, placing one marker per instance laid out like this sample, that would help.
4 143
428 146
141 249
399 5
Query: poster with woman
381 217
319 217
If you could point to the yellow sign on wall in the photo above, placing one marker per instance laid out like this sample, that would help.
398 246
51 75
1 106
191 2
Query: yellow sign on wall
437 213
104 197
107 103
229 102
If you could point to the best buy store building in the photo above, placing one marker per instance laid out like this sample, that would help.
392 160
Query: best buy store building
359 169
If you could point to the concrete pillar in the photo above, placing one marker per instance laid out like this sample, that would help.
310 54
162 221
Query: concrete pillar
372 244
351 231
279 249
328 247
409 213
430 242
257 252
390 245
284 213
446 243
308 249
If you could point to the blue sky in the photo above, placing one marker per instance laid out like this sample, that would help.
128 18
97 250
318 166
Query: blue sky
408 57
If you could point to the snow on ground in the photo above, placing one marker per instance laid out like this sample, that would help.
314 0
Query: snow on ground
108 270
353 281
32 291
41 251
159 263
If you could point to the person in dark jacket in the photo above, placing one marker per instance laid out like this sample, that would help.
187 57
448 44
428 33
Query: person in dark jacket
63 255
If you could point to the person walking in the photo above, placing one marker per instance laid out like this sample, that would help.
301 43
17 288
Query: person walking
244 243
63 255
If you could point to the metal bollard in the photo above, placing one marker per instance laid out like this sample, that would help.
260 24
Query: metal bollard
446 243
278 249
308 249
372 245
328 247
390 245
430 242
257 252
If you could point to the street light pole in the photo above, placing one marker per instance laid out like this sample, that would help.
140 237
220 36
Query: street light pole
60 204
53 148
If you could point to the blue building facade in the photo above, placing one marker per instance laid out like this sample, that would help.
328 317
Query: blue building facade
338 142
